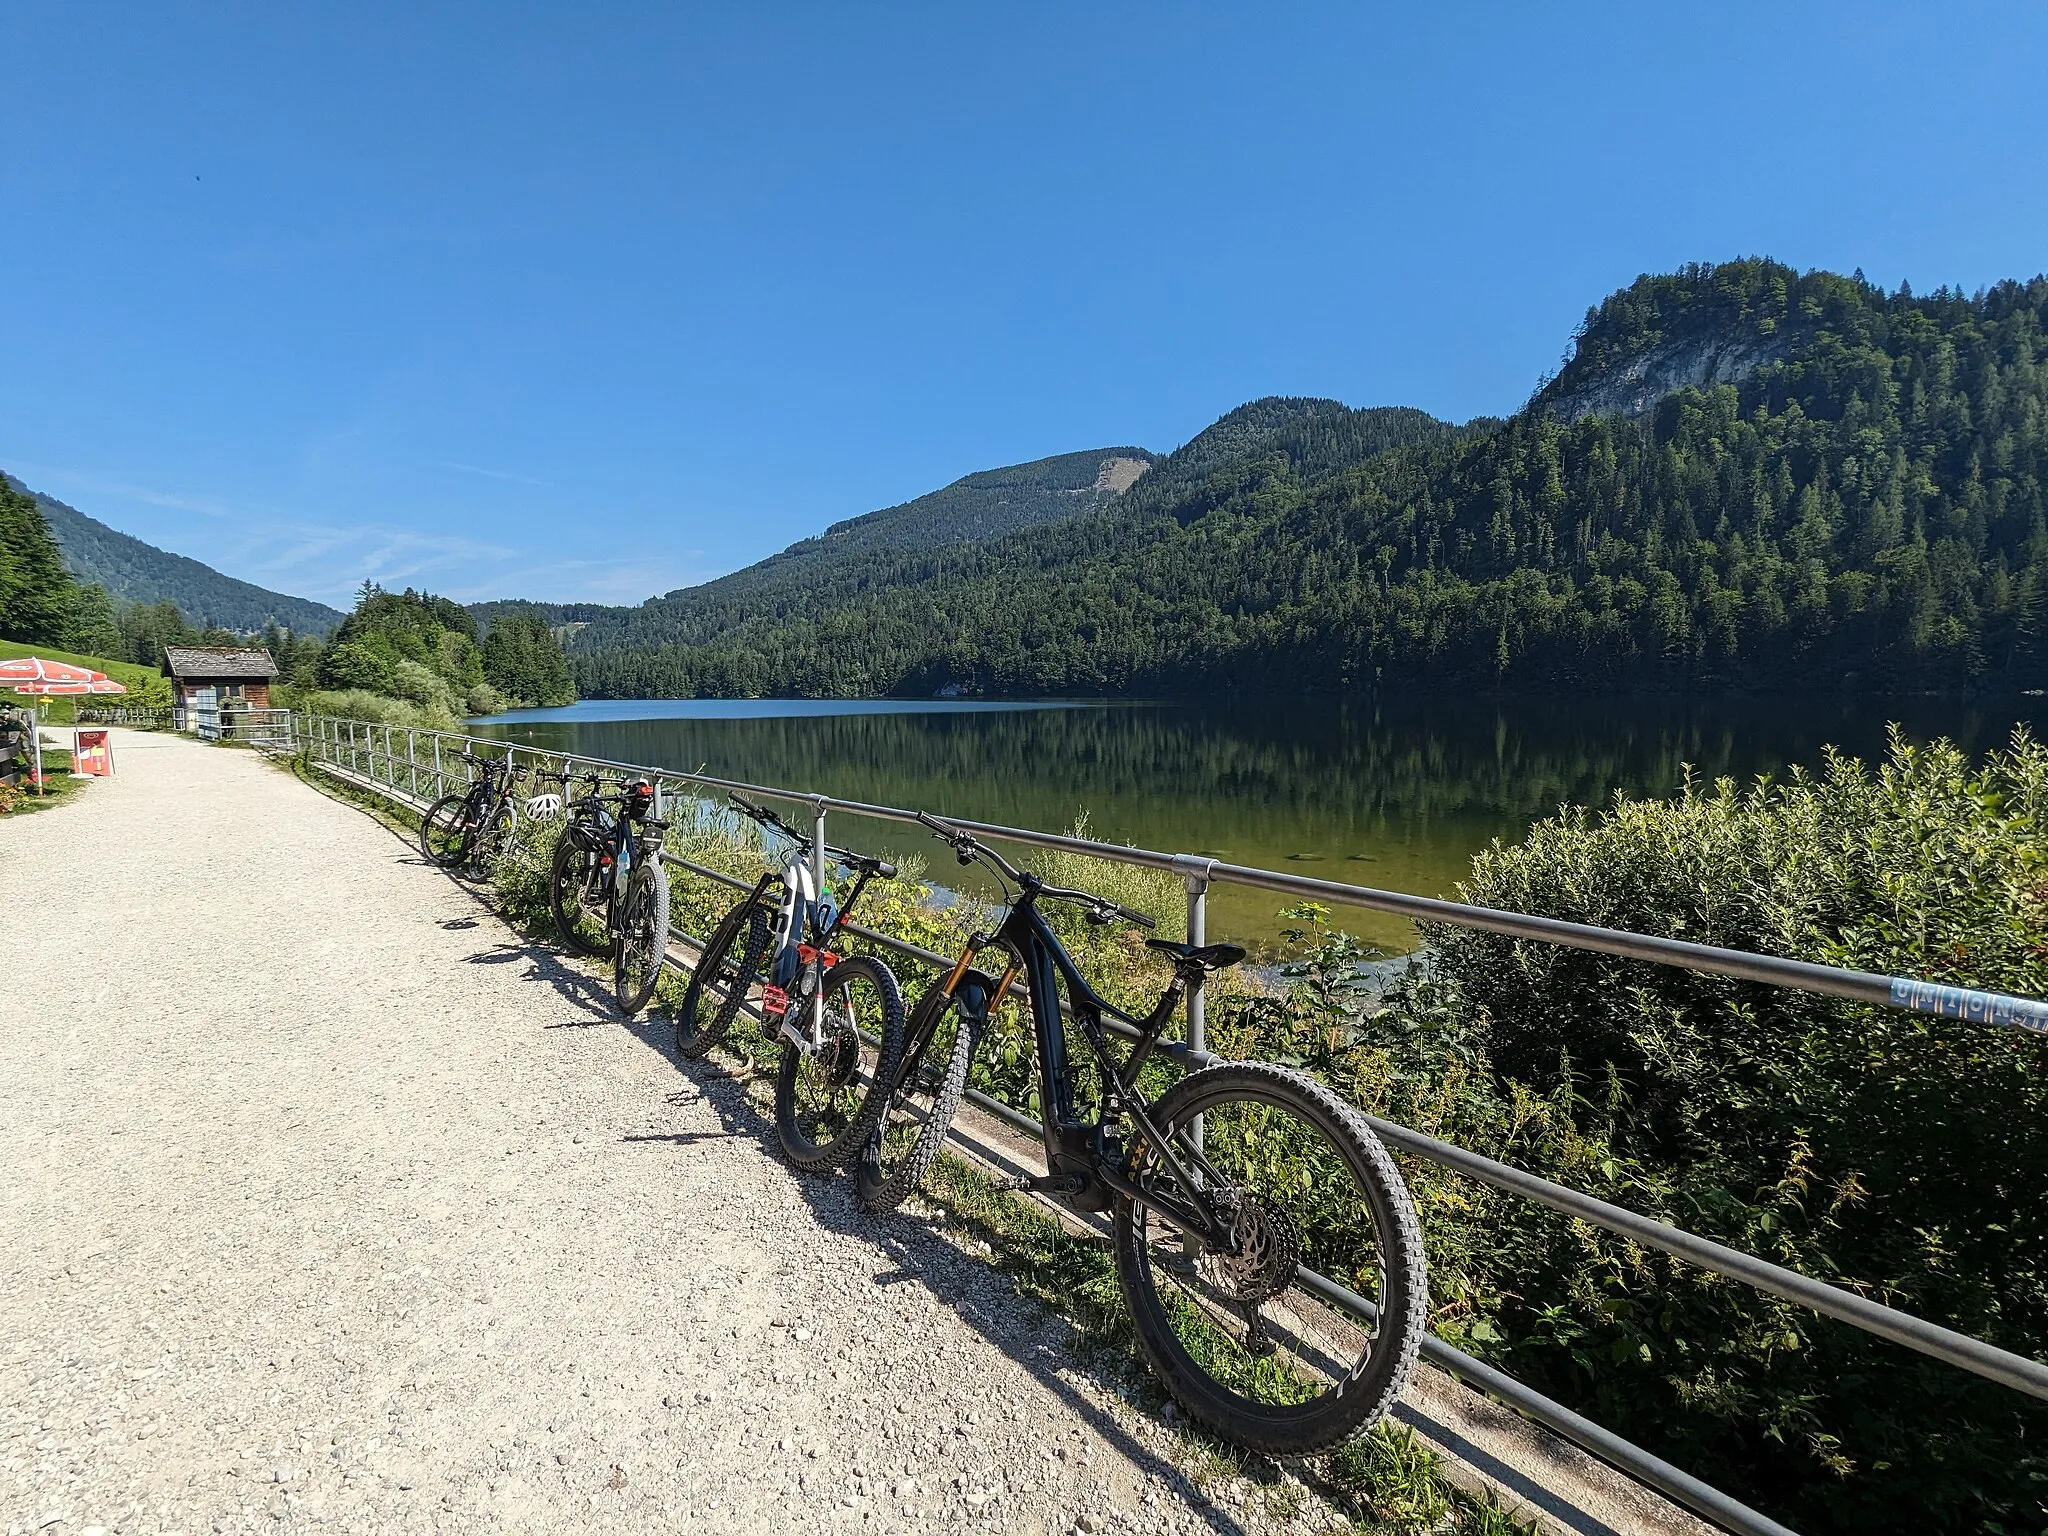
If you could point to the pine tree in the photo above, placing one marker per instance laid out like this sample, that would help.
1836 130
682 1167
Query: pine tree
36 592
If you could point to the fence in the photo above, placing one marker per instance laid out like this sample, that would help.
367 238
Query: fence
139 715
416 765
259 727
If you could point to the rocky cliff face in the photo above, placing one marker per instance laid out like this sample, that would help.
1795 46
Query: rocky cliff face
1702 325
1635 386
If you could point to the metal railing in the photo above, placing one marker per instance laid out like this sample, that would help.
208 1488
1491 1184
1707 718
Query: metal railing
259 727
390 758
141 715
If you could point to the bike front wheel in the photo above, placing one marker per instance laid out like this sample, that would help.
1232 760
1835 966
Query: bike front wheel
828 1103
642 941
1236 1335
941 1038
721 979
444 831
576 890
488 844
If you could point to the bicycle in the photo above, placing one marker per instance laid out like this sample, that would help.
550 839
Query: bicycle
839 1019
466 830
581 872
1224 1194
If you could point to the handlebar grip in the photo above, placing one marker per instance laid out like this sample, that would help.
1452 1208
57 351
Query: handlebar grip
1142 919
885 869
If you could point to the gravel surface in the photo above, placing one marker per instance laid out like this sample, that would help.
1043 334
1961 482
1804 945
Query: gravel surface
332 1205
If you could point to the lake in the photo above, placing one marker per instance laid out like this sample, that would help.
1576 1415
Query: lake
1398 794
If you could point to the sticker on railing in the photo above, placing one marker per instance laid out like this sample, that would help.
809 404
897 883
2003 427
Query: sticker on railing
1966 1003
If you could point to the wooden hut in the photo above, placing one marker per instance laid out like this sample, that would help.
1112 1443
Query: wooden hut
206 679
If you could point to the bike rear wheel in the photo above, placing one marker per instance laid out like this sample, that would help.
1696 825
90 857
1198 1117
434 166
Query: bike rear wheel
939 1046
576 892
827 1105
719 982
1237 1337
642 936
444 831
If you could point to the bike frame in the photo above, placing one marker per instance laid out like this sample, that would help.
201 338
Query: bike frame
1084 1170
802 901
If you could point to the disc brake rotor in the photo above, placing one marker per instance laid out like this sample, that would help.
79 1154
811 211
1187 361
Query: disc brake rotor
840 1058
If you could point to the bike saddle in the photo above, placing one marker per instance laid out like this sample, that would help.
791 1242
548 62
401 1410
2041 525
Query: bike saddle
1207 957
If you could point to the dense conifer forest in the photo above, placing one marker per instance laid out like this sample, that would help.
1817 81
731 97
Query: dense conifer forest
1744 477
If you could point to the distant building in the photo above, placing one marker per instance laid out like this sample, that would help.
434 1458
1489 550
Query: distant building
205 679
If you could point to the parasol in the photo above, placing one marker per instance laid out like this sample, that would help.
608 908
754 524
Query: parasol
34 669
34 675
97 683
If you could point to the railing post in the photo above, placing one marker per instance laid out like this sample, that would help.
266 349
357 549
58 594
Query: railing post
390 762
440 779
1194 874
412 761
818 844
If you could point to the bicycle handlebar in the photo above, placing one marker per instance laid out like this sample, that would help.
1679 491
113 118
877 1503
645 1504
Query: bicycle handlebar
968 848
767 818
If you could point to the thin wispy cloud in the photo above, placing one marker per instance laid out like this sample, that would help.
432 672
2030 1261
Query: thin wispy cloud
72 480
494 474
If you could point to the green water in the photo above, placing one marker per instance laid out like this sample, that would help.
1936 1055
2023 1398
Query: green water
1397 795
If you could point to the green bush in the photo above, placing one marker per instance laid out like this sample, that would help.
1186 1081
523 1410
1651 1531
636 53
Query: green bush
376 708
1896 1154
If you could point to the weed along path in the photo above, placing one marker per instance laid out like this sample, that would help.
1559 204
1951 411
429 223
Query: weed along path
333 1205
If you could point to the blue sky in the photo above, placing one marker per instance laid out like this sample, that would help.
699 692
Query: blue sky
594 301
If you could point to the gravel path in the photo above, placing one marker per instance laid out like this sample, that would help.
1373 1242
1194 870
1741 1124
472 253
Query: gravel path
331 1205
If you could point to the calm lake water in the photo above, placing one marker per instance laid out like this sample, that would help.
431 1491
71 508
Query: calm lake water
1398 794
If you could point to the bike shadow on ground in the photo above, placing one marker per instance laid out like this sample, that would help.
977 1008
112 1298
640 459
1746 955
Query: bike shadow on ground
1019 1325
547 967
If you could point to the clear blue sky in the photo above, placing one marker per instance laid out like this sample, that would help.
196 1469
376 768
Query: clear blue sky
593 301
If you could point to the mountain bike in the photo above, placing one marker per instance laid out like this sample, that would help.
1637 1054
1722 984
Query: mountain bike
638 912
1227 1194
839 1019
583 870
465 831
607 873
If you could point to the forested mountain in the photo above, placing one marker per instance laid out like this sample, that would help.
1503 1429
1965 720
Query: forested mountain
1745 476
632 650
135 572
984 505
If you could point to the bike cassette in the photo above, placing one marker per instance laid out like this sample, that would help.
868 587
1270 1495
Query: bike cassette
1266 1252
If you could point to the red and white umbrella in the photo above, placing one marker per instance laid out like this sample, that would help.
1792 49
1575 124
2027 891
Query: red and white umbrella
98 683
34 675
34 669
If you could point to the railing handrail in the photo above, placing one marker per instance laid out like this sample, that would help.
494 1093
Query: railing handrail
2015 1371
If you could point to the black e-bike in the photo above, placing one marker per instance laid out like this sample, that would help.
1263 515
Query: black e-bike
1236 1197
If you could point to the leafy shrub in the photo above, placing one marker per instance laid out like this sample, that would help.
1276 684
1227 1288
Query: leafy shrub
418 682
376 708
1896 1154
